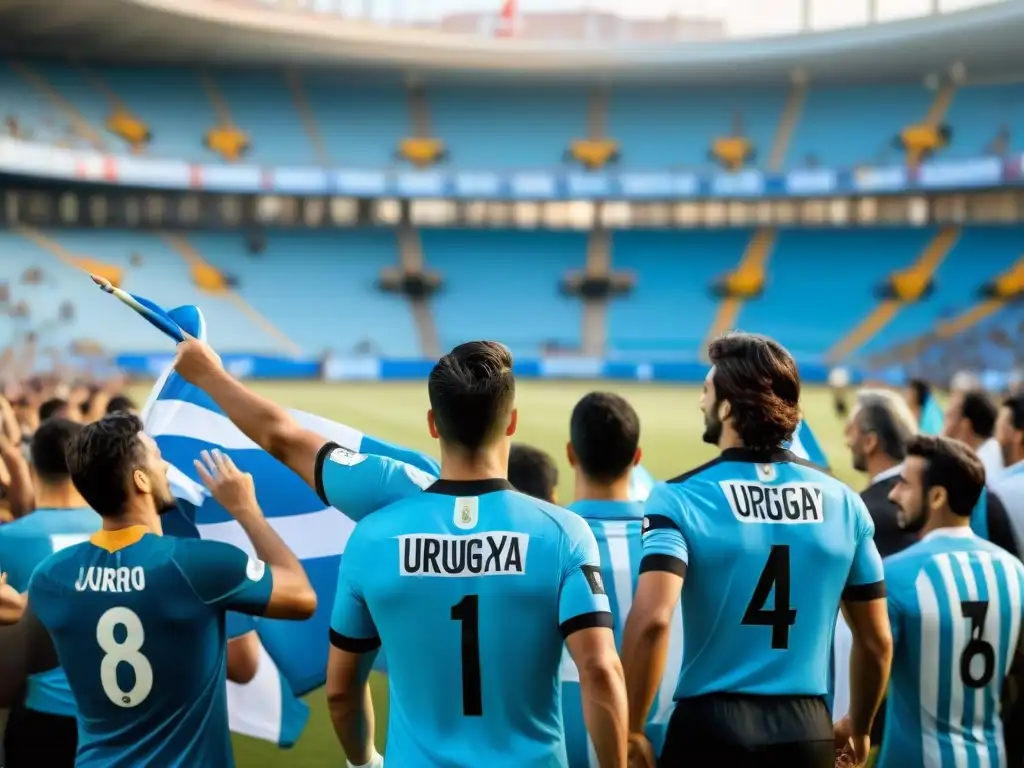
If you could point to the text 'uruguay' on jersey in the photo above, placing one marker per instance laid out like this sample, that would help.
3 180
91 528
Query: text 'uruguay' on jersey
786 503
494 553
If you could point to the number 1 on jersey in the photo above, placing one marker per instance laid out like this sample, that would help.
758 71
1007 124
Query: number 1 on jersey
782 616
467 611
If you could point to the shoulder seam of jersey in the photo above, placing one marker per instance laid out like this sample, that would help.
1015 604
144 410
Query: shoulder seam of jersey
695 471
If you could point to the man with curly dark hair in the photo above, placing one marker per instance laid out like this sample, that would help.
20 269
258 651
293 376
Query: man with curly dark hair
769 546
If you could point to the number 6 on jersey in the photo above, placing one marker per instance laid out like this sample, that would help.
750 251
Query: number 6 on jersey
125 651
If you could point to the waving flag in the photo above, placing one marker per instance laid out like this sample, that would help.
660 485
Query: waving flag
805 445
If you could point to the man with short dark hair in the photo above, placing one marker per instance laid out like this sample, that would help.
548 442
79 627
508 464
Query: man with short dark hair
533 472
1010 484
138 618
443 561
55 406
122 404
876 434
956 611
971 419
773 546
42 730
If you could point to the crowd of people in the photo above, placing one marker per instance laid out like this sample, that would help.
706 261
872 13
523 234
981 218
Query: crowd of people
696 626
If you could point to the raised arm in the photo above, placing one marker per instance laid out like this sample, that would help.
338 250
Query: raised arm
264 422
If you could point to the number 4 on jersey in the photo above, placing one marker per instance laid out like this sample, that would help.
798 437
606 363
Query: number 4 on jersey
782 616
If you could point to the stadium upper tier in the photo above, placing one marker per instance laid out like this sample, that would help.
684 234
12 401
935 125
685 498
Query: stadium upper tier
342 119
827 294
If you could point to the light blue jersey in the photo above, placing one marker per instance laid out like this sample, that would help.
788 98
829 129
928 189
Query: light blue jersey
24 544
471 588
955 608
359 484
616 526
768 545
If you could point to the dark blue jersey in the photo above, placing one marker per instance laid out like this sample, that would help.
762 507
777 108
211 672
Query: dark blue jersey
138 624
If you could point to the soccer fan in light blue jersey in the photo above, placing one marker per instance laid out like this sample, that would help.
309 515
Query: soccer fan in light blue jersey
955 602
138 619
42 729
471 564
770 547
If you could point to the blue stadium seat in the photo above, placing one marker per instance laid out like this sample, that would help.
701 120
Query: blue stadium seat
37 118
319 288
504 285
361 125
262 105
822 282
980 254
513 127
172 103
979 112
674 127
670 310
846 127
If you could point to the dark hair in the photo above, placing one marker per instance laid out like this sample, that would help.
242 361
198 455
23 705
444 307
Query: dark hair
922 390
51 407
120 404
532 472
102 457
951 465
758 376
980 410
875 415
472 391
605 433
1016 406
49 446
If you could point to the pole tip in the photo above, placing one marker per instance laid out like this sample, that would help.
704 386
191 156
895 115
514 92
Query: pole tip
102 282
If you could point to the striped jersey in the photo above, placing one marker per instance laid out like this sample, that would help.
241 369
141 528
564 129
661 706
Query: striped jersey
955 608
617 529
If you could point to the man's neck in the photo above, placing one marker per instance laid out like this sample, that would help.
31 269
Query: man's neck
146 517
729 439
945 521
974 440
587 489
58 496
876 465
483 465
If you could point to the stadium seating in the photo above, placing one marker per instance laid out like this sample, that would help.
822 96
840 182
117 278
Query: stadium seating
978 114
662 127
319 288
846 127
672 306
504 285
816 277
361 125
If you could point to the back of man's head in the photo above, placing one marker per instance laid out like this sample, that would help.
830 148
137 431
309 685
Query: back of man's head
472 394
920 391
55 406
121 404
49 448
980 411
885 414
102 458
532 472
759 378
604 433
951 465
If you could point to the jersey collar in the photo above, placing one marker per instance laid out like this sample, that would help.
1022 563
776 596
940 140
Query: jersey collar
605 509
752 456
469 487
960 532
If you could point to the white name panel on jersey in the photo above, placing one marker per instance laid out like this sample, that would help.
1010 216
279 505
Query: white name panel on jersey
785 503
111 579
498 553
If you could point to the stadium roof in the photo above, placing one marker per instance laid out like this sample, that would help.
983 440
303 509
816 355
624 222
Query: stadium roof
232 32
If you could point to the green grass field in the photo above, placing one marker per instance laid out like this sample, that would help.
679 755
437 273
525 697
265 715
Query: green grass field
671 429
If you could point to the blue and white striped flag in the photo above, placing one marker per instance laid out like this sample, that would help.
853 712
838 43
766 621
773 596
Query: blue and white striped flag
184 421
805 445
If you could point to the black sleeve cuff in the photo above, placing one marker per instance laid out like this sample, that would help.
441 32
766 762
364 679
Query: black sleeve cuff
587 621
318 470
654 522
666 563
863 593
354 644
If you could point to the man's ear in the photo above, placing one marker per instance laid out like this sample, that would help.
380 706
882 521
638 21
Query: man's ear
871 443
938 497
141 481
570 454
638 456
513 422
431 426
724 410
